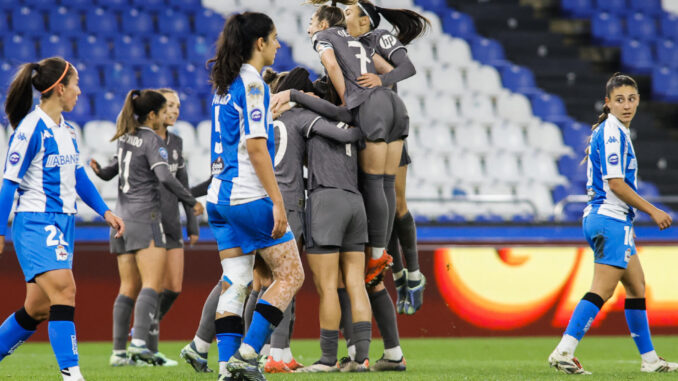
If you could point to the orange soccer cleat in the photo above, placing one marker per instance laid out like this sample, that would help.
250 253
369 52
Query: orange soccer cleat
273 366
376 268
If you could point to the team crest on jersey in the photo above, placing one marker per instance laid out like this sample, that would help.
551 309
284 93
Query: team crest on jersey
255 92
14 158
175 154
613 159
387 41
163 153
612 140
21 136
61 253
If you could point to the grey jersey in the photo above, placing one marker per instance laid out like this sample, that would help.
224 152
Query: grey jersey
169 202
353 58
138 194
290 151
383 43
331 164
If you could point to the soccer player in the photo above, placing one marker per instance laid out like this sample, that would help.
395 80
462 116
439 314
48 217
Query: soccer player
245 207
346 59
43 163
142 167
362 22
612 169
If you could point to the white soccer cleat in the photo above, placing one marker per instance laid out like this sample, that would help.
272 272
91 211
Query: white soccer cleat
659 366
318 367
566 363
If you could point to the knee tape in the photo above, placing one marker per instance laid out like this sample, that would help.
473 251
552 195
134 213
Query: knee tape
237 272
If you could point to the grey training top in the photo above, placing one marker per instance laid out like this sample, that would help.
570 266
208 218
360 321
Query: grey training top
290 152
388 46
168 200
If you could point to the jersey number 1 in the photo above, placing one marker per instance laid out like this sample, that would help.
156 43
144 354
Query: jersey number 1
361 56
123 164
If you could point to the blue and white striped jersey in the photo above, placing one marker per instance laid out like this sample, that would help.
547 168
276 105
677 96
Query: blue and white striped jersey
611 155
243 113
43 157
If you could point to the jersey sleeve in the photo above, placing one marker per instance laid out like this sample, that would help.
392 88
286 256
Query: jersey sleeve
180 150
322 41
156 152
23 146
255 109
611 158
76 144
387 44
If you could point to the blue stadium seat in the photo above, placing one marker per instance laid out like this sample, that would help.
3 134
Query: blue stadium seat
488 218
667 53
93 49
488 51
19 49
549 107
107 105
192 109
173 23
665 84
120 5
166 50
102 22
157 76
576 135
518 79
569 166
199 49
577 8
7 5
574 212
641 27
649 7
89 78
118 76
136 22
186 5
81 5
606 29
669 25
64 22
647 189
283 58
437 6
208 23
131 50
153 5
42 5
193 79
27 21
82 113
7 71
636 57
618 7
459 25
56 46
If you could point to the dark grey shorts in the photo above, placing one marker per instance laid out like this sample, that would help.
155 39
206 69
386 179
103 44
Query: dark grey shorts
383 117
173 240
137 236
405 158
295 218
335 221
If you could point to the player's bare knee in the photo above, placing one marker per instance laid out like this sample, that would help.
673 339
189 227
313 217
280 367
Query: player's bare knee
39 312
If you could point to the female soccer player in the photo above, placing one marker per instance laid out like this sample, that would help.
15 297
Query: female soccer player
608 227
142 166
245 208
345 59
43 162
362 22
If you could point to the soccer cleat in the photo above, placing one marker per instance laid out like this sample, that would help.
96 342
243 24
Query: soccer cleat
376 268
415 296
245 370
225 377
119 360
354 366
195 359
383 365
294 365
318 367
343 363
71 374
161 360
272 366
660 366
401 292
140 353
566 363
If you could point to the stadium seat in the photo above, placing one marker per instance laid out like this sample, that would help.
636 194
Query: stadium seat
137 22
116 4
636 57
257 5
453 84
507 137
98 134
665 83
432 168
17 49
478 108
185 5
484 80
606 29
56 46
648 7
459 25
667 53
540 196
199 49
456 53
618 7
439 139
542 169
569 166
107 106
208 23
438 6
641 27
27 21
472 138
65 22
165 50
151 5
421 54
283 58
154 76
576 135
468 168
577 8
203 133
186 132
7 72
514 107
89 78
488 51
130 50
193 78
173 23
436 28
442 109
93 49
82 112
669 25
549 107
519 79
192 109
647 189
503 167
101 22
199 166
8 5
120 76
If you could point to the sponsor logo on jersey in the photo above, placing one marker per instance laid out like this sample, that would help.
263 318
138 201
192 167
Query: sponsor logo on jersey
14 158
387 41
613 159
612 139
217 166
61 253
46 135
21 136
132 140
175 154
255 115
342 33
163 153
61 160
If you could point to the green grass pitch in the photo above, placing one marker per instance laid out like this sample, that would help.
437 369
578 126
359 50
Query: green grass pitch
609 358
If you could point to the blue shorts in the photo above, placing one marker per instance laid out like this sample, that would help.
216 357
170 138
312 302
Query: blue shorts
43 242
247 226
610 239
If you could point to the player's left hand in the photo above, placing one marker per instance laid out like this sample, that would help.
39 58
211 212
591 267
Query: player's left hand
192 239
278 99
281 109
369 80
279 221
115 222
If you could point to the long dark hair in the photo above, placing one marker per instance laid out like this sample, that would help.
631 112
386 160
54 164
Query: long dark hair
235 46
331 13
617 80
138 104
43 75
407 24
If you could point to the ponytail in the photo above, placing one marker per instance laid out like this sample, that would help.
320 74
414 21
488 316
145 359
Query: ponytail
43 76
331 13
138 104
235 45
407 24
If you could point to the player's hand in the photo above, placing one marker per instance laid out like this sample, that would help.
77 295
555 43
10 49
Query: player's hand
94 165
281 109
279 221
661 218
2 243
369 80
115 222
279 99
192 239
198 209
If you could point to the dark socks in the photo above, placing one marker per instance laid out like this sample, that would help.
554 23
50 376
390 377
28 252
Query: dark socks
280 338
144 313
329 340
406 231
122 316
385 315
206 330
394 250
390 193
362 335
376 207
346 323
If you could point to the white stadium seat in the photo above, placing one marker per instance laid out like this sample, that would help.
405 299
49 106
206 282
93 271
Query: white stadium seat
449 79
503 167
466 168
548 138
457 53
204 134
539 195
186 132
484 80
443 109
472 137
478 108
199 166
514 107
506 136
98 133
541 168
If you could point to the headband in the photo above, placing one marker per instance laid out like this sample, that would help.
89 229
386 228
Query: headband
58 80
368 14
